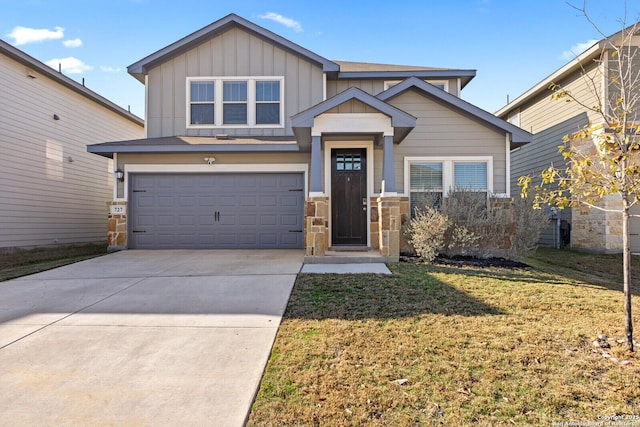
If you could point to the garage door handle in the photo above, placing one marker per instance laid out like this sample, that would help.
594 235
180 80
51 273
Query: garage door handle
139 231
216 216
295 231
296 189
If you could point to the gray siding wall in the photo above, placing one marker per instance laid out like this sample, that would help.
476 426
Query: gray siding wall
372 86
541 153
444 132
542 112
52 190
233 53
549 120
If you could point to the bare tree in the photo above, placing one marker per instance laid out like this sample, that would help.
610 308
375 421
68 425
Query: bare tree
603 158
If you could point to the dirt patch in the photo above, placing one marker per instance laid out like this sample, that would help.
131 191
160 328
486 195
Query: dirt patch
467 261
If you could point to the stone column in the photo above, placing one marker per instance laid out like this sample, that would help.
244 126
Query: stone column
316 226
117 229
389 224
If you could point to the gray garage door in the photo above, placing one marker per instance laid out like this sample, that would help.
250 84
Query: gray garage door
226 211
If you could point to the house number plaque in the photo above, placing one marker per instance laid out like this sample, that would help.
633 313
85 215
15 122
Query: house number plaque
118 210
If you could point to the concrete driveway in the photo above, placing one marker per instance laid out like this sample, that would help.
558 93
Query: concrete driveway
171 337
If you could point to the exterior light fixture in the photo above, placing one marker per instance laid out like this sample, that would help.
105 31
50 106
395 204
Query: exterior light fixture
119 175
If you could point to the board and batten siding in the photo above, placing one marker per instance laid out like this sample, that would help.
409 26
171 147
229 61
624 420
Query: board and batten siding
234 53
444 132
52 190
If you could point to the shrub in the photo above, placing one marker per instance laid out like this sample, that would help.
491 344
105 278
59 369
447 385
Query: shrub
425 232
467 224
530 223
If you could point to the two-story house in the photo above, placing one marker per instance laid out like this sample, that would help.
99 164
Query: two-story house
587 78
255 142
52 192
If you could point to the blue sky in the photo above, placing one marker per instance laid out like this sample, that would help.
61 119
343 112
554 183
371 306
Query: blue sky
512 44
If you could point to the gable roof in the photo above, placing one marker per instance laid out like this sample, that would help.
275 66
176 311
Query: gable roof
401 121
140 68
44 69
359 70
518 136
590 54
398 117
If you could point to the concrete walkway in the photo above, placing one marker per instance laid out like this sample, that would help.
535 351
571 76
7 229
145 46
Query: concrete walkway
145 338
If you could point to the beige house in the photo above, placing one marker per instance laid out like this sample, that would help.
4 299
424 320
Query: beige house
255 142
549 121
52 191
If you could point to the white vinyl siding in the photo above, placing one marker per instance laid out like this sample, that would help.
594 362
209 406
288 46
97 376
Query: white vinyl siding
235 102
53 191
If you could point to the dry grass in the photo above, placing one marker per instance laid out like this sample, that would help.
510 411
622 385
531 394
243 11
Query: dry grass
477 346
21 262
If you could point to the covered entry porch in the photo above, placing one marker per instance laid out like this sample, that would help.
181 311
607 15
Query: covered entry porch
353 208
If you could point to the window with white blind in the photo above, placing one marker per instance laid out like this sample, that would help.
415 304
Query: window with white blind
425 185
235 102
428 180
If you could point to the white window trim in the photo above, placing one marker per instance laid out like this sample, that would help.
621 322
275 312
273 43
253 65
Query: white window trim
219 102
214 168
447 170
390 83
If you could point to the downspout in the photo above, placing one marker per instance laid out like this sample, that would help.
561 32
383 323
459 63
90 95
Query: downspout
508 165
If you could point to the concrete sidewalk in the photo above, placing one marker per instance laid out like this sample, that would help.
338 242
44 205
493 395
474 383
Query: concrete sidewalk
142 337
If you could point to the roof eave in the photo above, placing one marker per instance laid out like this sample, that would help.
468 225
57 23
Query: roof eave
518 136
108 150
29 61
466 75
556 76
141 67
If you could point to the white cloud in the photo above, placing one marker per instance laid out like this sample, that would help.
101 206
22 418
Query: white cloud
287 22
72 43
110 69
577 49
24 35
70 65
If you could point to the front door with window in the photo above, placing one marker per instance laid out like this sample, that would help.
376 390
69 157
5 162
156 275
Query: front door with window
348 196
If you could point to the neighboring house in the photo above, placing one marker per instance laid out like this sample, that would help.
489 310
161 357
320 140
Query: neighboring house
549 121
51 190
255 142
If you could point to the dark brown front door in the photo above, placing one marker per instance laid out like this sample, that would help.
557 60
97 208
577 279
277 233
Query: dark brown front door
349 196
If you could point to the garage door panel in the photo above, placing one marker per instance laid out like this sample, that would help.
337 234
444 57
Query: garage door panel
288 201
235 210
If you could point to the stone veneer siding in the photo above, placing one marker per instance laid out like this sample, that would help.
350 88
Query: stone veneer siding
389 227
594 230
117 228
316 223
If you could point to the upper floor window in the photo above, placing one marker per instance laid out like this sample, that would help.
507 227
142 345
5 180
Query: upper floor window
235 101
514 118
202 103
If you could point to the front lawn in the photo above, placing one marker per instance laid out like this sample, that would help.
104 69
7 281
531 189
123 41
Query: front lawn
434 345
